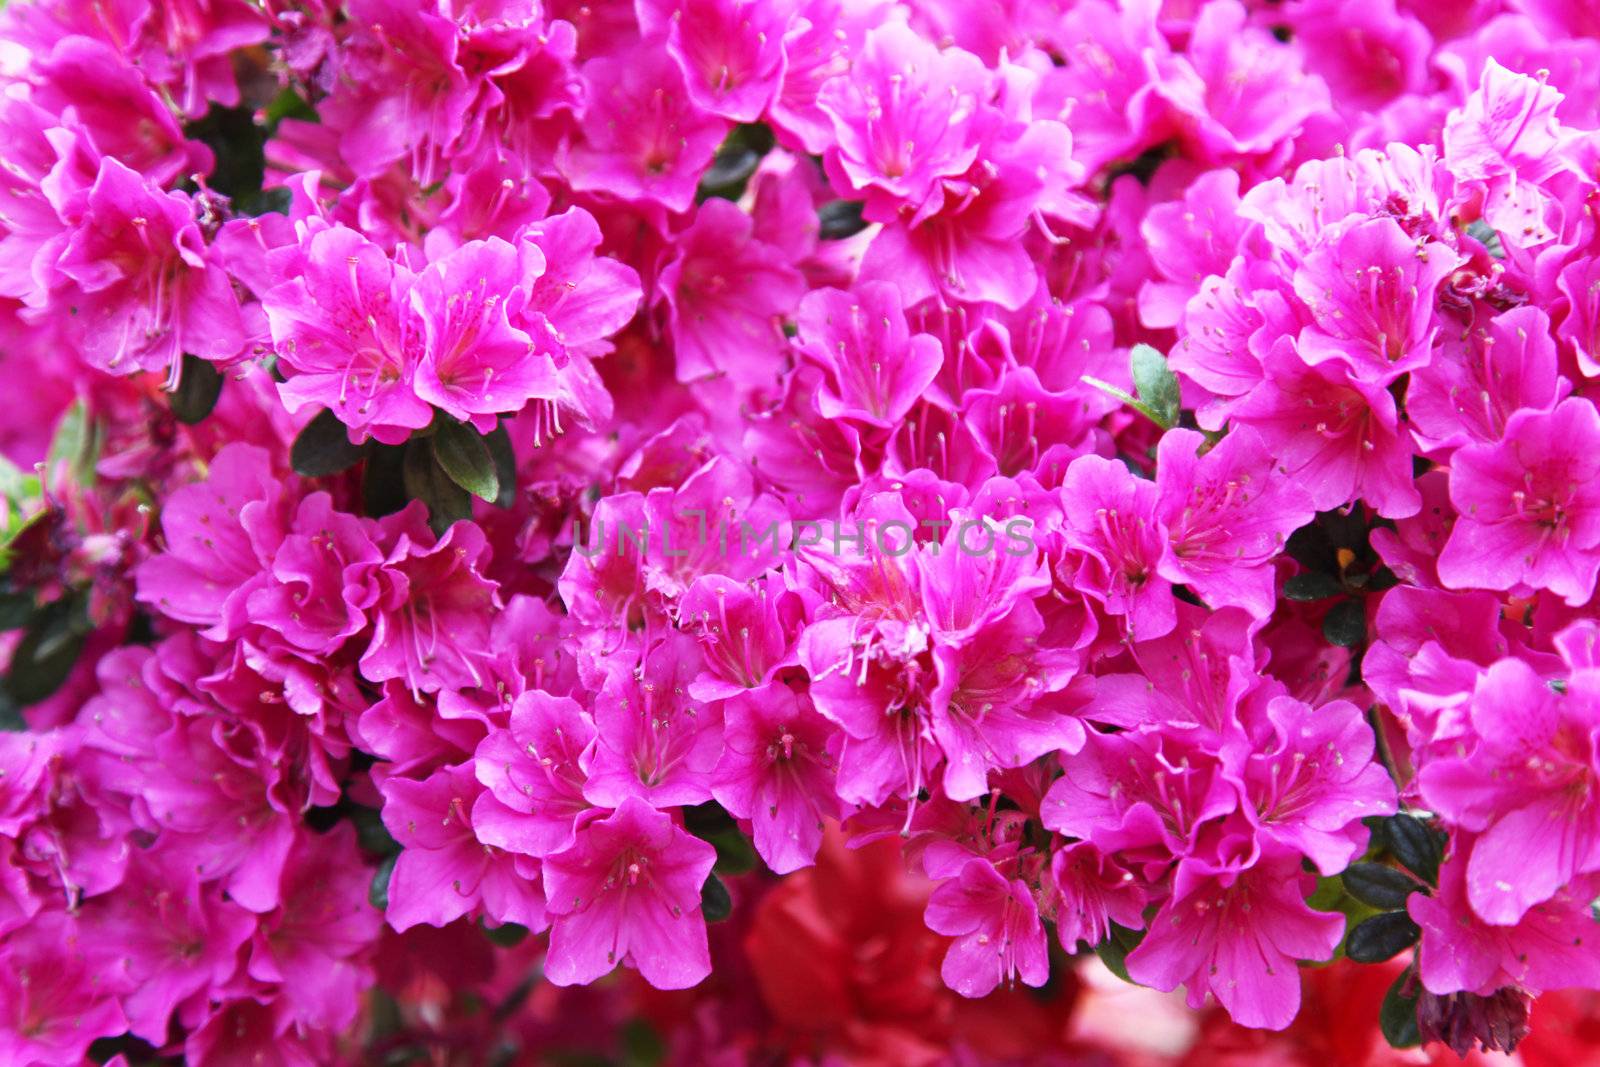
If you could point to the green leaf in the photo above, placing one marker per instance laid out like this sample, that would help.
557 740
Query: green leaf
838 219
11 720
1380 886
199 386
1345 624
506 935
426 481
505 464
1486 235
77 444
1418 848
383 490
736 161
48 650
463 455
1157 385
16 610
1113 951
1381 937
323 448
641 1045
378 892
1397 1018
716 904
1313 585
238 146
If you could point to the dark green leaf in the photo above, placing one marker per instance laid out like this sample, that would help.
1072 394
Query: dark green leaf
505 465
323 448
11 720
715 902
1156 384
371 834
1398 1016
16 609
383 490
1381 937
1345 624
1486 235
1310 547
1418 848
48 650
378 892
238 145
463 455
76 443
838 219
1313 585
641 1045
199 386
736 161
1113 951
426 481
1380 886
506 935
288 104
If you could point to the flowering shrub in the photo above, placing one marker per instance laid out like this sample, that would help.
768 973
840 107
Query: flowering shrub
798 499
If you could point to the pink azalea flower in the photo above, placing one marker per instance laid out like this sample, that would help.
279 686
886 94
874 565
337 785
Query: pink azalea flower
1315 780
475 363
1238 936
1529 506
1368 53
431 625
644 140
876 367
347 333
1526 783
1371 292
731 52
1112 526
628 891
1144 794
1544 949
323 578
777 771
1227 513
966 245
1239 89
1474 385
217 532
536 770
867 679
1190 239
144 290
313 942
726 294
169 938
656 741
54 1000
444 871
1338 437
904 118
995 923
95 89
747 632
1002 701
1088 892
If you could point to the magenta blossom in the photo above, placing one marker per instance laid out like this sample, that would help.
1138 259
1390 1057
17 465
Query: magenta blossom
1529 506
995 923
628 891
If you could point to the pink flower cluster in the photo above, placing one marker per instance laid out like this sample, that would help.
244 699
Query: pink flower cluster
495 465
